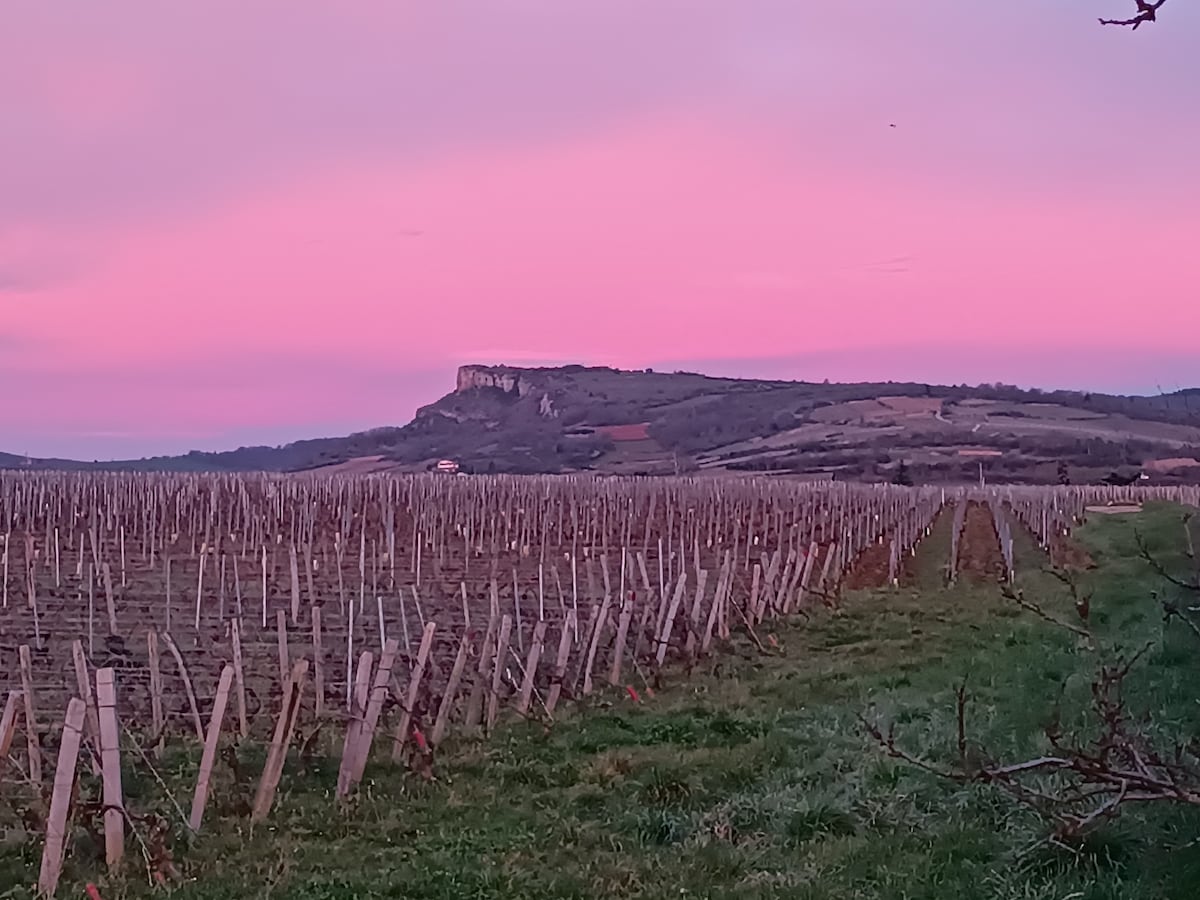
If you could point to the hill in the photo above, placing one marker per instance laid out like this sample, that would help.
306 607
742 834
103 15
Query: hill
577 418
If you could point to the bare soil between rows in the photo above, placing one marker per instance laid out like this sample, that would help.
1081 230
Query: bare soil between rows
870 569
979 554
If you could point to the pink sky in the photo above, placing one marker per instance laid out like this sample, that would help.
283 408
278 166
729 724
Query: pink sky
229 223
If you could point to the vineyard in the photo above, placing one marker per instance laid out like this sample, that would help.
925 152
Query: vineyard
143 614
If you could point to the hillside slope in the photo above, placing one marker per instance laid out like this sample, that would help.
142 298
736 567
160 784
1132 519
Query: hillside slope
576 418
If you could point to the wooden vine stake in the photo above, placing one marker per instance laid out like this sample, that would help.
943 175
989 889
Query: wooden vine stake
600 620
156 692
623 622
110 760
282 640
187 685
531 665
239 677
483 670
294 572
570 627
493 703
414 686
693 633
32 742
379 692
60 800
210 747
288 712
664 638
8 722
443 713
358 716
83 679
318 655
109 601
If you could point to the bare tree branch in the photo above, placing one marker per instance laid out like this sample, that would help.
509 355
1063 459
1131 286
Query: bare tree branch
1159 569
1147 12
1018 597
1080 782
1172 611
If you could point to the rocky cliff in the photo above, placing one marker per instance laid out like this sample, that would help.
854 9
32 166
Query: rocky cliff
511 381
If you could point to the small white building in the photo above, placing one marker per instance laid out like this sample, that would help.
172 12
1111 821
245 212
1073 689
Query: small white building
446 467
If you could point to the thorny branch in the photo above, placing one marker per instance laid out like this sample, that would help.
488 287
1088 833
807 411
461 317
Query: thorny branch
141 752
1089 779
1171 610
1160 570
1094 777
1082 607
154 843
1147 12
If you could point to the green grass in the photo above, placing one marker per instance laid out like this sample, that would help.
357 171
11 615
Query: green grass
752 779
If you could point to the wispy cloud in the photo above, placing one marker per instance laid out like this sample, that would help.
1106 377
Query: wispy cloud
767 281
527 357
894 265
25 278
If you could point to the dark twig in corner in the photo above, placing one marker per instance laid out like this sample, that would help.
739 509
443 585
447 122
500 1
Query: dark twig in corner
1147 12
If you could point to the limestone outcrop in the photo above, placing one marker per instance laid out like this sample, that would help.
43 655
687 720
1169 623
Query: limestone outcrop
507 380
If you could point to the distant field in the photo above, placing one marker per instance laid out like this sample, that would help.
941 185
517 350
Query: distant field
935 434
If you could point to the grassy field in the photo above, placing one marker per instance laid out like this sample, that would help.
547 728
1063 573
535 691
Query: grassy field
753 778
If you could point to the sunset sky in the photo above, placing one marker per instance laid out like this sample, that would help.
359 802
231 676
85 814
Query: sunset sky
230 222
